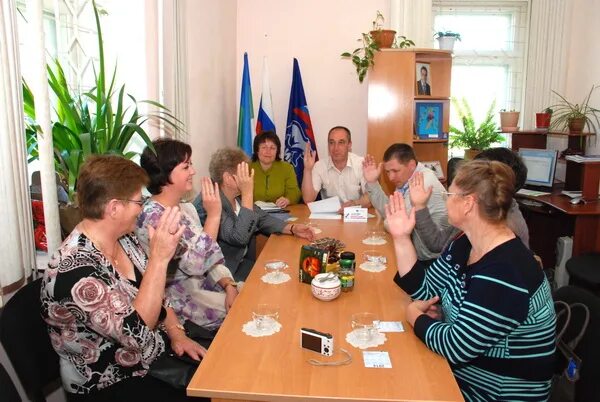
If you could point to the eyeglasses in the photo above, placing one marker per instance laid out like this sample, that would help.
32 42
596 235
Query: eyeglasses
139 202
449 193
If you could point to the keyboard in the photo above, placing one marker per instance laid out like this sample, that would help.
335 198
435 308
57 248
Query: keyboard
531 193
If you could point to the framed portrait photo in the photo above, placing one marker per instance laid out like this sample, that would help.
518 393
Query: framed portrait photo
436 166
428 119
423 79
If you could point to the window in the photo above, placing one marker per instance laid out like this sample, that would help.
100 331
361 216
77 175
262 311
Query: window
489 60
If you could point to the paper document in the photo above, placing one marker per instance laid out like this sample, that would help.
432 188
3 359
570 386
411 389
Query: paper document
325 209
571 194
267 206
377 359
325 216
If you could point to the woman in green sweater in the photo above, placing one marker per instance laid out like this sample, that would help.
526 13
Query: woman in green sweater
274 180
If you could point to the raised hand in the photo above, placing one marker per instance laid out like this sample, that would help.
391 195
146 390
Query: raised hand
400 223
309 158
418 194
165 237
211 198
245 178
282 202
371 170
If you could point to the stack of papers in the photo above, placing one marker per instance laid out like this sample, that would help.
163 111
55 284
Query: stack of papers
583 158
267 206
325 209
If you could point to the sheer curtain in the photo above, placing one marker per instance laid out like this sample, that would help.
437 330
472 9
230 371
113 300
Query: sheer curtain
16 236
548 46
412 18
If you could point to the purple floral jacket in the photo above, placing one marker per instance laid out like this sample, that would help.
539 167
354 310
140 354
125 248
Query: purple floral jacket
196 268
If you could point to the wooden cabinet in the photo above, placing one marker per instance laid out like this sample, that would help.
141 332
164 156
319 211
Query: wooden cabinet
393 98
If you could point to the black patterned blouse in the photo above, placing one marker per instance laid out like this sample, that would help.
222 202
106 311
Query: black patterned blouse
92 323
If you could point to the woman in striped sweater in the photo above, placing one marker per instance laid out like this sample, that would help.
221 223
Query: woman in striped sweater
498 325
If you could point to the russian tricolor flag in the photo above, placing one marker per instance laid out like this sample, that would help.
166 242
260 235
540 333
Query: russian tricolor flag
265 121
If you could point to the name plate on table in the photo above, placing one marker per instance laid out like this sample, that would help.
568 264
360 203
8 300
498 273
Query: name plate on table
355 214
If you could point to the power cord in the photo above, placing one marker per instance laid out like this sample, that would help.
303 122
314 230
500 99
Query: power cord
346 360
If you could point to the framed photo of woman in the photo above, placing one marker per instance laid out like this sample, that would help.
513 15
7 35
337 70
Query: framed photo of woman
423 79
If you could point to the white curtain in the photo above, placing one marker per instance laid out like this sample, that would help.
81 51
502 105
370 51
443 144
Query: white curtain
16 237
413 19
547 59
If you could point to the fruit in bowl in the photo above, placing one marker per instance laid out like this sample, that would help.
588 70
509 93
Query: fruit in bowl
326 286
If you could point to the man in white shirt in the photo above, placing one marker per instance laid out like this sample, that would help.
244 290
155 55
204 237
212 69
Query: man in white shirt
340 174
400 164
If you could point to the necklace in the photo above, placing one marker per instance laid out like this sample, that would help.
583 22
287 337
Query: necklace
111 257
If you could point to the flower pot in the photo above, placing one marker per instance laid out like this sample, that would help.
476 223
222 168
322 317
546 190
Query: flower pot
576 125
446 42
542 121
470 154
383 37
509 121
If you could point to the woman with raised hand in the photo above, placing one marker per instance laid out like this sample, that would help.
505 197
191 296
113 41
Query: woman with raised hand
241 220
200 288
103 298
498 325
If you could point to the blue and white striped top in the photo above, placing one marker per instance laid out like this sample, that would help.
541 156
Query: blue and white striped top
498 331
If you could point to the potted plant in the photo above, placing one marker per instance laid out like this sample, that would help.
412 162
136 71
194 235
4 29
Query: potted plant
446 39
384 38
509 120
542 119
101 121
363 57
575 117
472 138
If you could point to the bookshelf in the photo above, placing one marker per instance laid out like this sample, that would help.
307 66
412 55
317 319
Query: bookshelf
393 99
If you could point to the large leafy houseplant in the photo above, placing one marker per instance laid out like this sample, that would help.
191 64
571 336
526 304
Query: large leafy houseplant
100 121
565 114
363 56
472 136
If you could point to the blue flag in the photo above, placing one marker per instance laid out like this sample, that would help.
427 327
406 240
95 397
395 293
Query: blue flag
299 130
245 124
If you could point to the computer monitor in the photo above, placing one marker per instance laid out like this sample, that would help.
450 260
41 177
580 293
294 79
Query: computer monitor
541 165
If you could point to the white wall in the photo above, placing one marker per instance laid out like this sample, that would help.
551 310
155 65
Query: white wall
211 37
316 32
584 58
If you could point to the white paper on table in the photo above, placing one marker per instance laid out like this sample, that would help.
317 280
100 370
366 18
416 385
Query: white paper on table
327 206
377 359
389 326
325 216
267 206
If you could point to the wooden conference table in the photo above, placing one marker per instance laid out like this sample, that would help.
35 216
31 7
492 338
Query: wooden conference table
275 368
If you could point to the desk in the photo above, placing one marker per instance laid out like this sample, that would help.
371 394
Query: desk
556 217
274 368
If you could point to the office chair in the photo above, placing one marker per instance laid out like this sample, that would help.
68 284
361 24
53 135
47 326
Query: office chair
7 387
587 388
25 338
583 272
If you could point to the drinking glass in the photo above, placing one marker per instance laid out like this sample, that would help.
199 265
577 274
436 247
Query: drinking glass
364 326
265 316
276 267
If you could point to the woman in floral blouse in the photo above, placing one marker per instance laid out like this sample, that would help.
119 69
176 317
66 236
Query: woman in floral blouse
103 298
201 289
